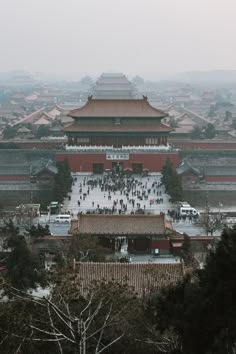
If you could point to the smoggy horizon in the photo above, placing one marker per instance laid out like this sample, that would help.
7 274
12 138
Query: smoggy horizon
153 39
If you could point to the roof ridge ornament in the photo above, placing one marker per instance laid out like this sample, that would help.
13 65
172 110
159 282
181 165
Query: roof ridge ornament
145 98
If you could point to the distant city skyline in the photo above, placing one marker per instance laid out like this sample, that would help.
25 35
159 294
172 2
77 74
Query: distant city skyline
152 38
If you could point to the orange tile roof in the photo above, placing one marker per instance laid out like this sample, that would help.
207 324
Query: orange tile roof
42 121
121 224
140 277
117 108
112 127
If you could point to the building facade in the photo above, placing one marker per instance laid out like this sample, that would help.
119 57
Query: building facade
117 123
127 133
146 234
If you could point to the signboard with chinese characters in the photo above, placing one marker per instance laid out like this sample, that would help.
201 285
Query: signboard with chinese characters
117 156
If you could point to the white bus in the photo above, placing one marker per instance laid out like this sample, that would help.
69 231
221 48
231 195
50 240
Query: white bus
188 211
66 218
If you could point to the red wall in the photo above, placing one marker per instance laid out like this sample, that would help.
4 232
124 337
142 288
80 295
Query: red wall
161 244
83 162
14 178
220 178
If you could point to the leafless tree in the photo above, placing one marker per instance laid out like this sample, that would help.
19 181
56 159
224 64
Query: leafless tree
166 343
211 222
64 325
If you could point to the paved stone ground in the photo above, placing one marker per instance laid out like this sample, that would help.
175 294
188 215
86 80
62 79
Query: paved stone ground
99 197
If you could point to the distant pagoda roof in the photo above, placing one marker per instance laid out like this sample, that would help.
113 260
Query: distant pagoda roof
115 85
23 130
117 108
113 78
42 121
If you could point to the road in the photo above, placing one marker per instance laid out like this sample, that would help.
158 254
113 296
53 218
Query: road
58 229
191 229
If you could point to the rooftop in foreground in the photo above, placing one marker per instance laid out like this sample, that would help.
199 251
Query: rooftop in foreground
140 277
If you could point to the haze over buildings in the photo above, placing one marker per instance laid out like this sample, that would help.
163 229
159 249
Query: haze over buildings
151 38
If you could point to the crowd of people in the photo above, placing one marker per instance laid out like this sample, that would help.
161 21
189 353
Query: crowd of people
118 193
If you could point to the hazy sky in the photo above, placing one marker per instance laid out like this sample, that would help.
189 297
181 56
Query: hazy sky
145 37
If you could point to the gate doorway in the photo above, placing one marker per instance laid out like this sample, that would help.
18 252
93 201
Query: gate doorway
98 168
117 167
137 168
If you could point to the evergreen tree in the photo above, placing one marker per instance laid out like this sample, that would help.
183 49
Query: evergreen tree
38 231
210 131
186 251
212 111
218 285
63 180
43 130
23 269
201 310
171 181
196 133
9 132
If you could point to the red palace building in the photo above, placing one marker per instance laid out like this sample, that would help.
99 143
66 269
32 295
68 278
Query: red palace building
123 134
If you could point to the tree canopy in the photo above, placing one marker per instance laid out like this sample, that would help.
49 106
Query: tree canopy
38 231
196 133
171 181
63 180
9 132
23 267
43 130
210 131
201 310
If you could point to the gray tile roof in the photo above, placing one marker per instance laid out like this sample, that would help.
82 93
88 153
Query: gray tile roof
121 224
14 170
44 165
221 170
185 167
141 277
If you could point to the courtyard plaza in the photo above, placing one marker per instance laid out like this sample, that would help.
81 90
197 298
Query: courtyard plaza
116 194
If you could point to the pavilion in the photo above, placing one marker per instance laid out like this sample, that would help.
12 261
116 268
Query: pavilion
147 234
127 132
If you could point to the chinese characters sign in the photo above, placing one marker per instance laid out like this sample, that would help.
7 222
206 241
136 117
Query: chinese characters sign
117 156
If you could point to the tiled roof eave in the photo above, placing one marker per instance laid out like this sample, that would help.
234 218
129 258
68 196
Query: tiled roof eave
117 108
122 128
145 234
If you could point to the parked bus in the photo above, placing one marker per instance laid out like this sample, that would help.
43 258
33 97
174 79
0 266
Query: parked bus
185 209
63 218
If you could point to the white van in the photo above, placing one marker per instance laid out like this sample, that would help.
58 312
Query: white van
188 211
66 218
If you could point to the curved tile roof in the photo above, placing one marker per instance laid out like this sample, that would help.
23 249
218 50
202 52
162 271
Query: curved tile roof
117 108
112 127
